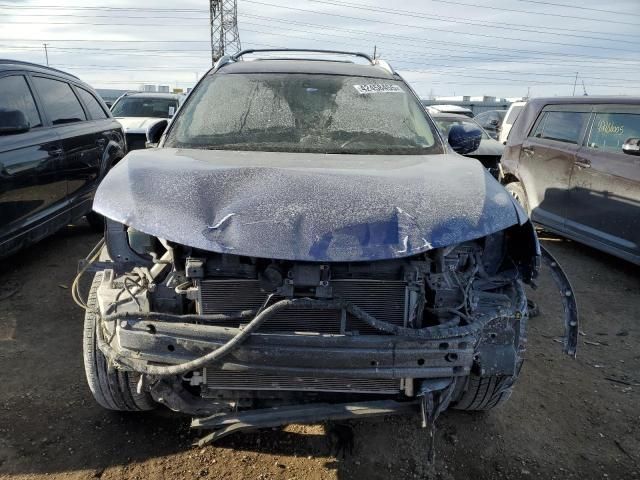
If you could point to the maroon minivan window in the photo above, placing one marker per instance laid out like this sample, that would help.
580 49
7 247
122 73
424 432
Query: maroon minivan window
610 130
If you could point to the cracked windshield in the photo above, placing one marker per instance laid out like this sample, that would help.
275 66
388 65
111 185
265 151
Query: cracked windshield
304 113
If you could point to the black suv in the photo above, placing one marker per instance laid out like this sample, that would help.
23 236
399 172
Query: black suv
57 140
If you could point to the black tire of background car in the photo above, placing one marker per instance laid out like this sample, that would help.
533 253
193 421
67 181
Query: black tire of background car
115 389
96 221
517 191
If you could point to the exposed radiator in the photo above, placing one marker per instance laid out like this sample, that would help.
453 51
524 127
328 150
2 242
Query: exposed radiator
385 300
228 380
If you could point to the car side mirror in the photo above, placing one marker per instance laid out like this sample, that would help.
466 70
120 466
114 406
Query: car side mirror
13 121
494 123
632 146
464 138
154 134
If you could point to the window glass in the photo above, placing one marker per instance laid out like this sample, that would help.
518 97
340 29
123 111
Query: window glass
304 113
513 114
145 107
445 124
16 95
610 130
60 103
561 126
95 110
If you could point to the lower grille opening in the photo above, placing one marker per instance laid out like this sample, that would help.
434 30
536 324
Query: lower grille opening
229 380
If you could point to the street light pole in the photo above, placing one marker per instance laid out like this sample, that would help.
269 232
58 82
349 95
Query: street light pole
46 53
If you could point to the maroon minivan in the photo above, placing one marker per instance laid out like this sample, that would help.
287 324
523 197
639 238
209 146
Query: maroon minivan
574 164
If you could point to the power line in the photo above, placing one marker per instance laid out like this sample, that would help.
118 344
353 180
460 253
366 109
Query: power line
581 7
482 23
424 28
532 12
403 44
458 66
439 18
415 26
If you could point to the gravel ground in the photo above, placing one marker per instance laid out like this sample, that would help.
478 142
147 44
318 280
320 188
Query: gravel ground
566 419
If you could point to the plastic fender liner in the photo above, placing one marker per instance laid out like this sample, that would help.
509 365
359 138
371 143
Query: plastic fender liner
568 302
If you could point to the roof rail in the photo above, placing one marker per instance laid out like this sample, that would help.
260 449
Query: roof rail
222 61
45 67
384 64
239 55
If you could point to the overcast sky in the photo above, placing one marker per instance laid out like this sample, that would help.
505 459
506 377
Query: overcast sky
500 48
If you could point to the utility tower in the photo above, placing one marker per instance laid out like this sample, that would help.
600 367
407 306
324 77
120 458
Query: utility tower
225 39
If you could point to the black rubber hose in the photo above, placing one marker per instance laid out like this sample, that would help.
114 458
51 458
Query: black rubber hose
170 317
142 366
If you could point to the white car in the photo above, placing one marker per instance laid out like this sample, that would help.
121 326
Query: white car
140 112
509 119
455 109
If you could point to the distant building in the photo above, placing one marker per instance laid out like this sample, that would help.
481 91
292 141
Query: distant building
475 104
163 88
148 88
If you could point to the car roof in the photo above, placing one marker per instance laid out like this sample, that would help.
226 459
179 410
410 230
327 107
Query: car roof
9 65
492 111
152 95
450 108
584 100
326 67
450 116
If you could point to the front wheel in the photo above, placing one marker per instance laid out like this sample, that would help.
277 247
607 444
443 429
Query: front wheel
484 393
115 389
517 191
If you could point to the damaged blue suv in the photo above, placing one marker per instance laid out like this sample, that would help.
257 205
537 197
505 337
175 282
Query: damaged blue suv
304 245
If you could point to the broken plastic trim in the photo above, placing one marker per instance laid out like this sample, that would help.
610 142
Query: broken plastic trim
225 424
568 302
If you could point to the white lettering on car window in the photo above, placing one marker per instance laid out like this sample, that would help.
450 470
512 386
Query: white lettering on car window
377 88
611 128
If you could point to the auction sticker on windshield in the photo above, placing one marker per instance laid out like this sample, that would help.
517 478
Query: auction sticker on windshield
378 88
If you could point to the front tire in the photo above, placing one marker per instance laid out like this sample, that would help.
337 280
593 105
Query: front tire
115 389
517 191
484 393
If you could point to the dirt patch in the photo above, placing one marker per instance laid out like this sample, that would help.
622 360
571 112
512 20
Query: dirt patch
566 419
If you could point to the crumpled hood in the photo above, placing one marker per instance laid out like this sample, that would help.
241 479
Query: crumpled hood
138 124
306 207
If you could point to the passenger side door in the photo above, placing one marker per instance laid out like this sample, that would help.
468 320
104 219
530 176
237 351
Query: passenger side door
81 142
604 198
32 184
546 161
